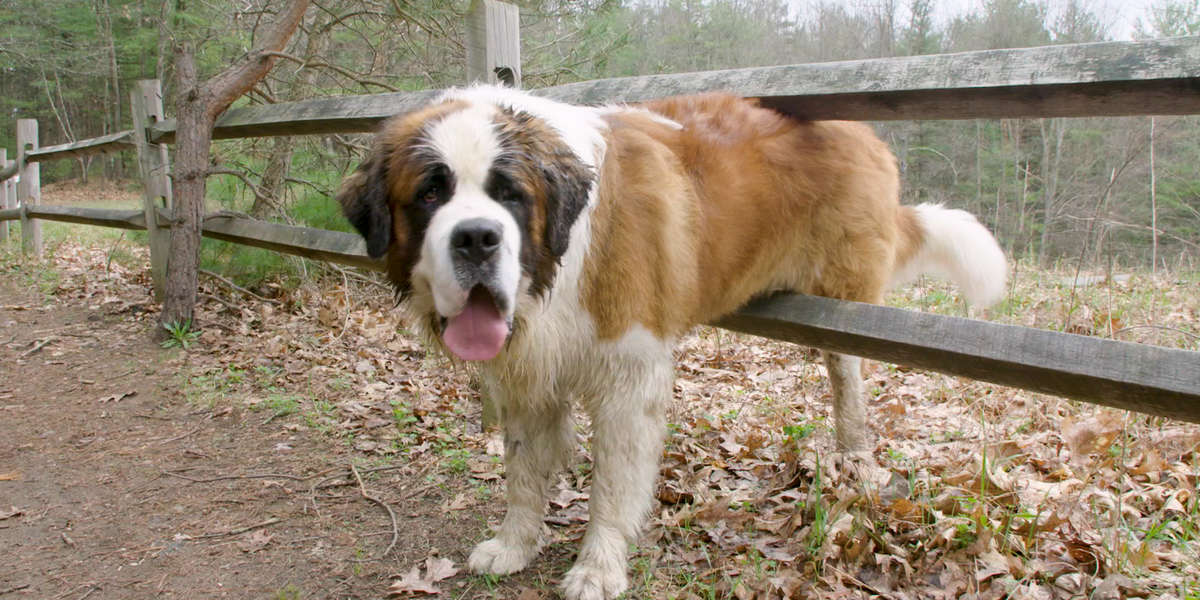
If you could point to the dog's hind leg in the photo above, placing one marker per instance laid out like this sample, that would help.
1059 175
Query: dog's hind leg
537 444
629 423
849 402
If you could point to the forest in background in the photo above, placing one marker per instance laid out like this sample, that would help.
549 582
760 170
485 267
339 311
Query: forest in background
1052 189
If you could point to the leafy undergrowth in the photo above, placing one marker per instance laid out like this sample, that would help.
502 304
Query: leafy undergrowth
979 491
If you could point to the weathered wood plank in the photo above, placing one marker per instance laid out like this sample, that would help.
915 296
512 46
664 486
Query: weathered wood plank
342 114
29 188
5 201
8 170
10 214
1148 379
318 244
146 106
113 142
100 217
494 43
1076 80
1100 79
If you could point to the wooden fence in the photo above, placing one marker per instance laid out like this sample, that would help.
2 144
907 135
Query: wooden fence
1101 79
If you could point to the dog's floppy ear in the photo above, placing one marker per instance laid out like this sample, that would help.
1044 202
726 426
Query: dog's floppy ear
364 199
569 181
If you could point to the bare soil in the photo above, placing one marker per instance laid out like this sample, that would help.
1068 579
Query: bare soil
113 485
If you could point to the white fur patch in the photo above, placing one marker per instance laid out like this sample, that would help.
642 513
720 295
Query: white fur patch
961 250
467 143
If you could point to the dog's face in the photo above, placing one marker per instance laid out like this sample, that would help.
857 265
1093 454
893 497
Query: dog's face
472 205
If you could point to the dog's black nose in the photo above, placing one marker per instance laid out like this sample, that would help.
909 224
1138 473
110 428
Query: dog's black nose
475 240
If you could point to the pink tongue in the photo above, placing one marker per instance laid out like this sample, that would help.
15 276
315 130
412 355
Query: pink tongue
478 332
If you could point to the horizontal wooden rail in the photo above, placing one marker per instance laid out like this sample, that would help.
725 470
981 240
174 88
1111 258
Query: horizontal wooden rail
341 114
1148 379
113 142
319 244
102 217
1076 80
8 171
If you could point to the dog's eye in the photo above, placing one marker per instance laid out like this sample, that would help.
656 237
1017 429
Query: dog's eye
511 196
432 196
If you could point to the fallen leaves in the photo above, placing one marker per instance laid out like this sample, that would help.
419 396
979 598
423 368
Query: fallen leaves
118 396
413 583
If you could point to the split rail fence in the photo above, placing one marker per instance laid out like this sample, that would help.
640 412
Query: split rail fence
1158 77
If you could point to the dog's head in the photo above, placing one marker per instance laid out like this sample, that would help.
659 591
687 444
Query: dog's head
471 201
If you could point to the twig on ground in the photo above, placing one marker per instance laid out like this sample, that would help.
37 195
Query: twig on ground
237 287
227 477
391 513
239 530
15 588
39 345
231 306
180 437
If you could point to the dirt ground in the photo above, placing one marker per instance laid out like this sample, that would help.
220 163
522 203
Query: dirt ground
113 485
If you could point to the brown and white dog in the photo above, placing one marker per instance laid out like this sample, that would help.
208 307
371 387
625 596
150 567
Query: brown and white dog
566 249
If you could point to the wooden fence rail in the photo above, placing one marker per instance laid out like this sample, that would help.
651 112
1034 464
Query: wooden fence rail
1078 80
1112 78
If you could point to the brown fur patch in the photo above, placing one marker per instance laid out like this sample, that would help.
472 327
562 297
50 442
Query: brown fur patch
375 195
692 223
554 184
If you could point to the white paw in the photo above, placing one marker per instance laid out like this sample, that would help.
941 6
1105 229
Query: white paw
495 557
594 582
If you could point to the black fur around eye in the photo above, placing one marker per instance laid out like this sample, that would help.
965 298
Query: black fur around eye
511 195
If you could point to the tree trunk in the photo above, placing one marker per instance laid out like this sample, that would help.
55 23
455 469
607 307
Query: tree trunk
197 108
192 144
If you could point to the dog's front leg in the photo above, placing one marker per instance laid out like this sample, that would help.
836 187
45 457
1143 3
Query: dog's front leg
537 443
628 420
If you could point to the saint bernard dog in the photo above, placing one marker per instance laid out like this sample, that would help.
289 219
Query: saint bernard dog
565 249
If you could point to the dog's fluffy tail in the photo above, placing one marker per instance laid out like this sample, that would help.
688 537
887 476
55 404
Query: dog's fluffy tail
951 244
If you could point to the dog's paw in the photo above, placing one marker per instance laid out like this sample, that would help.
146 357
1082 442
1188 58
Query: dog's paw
495 557
594 582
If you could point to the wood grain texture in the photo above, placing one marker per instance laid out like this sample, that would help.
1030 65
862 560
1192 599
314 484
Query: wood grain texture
317 244
1099 79
100 217
5 201
1149 379
8 170
29 188
342 114
1074 80
113 142
146 106
493 42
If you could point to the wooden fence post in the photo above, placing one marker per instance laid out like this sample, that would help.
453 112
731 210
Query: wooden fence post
147 107
493 56
29 189
494 43
4 199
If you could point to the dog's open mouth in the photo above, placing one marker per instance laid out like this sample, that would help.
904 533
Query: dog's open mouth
477 332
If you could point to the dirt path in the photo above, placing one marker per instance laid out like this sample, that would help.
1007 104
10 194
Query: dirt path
108 471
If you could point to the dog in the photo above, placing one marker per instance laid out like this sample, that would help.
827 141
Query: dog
565 249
